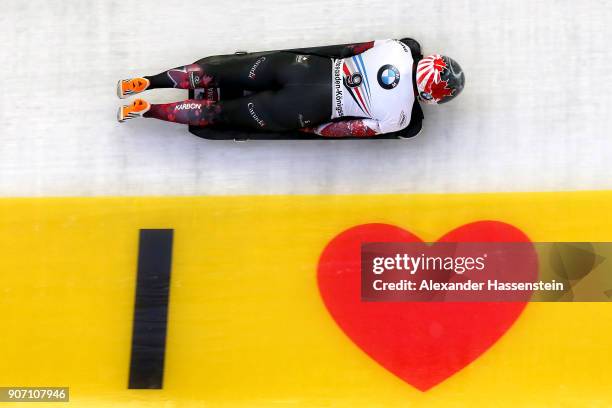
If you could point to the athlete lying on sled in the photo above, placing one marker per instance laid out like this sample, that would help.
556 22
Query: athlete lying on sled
360 90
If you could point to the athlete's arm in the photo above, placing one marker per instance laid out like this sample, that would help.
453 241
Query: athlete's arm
347 128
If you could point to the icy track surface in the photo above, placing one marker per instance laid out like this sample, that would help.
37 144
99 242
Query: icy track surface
534 115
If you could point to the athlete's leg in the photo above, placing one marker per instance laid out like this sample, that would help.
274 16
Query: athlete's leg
189 112
254 72
259 111
303 99
290 108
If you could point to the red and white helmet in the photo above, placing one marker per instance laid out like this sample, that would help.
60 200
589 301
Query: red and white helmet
439 79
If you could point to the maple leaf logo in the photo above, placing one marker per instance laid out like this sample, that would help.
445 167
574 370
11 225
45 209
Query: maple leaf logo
440 91
439 65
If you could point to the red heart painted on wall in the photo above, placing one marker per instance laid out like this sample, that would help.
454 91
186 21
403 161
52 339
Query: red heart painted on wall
422 343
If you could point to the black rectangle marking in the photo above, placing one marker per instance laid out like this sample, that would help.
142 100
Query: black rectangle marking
151 309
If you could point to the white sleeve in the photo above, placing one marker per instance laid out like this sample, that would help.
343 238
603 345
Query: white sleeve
390 126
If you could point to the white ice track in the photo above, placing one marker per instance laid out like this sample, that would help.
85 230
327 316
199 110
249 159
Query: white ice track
534 115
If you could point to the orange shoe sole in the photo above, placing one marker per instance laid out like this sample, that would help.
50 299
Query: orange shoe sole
129 87
138 108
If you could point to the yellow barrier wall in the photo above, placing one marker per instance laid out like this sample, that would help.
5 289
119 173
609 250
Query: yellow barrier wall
247 326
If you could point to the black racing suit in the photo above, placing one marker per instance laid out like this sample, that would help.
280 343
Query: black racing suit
279 91
286 91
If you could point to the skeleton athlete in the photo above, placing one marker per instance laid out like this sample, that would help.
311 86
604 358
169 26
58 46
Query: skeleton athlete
354 90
